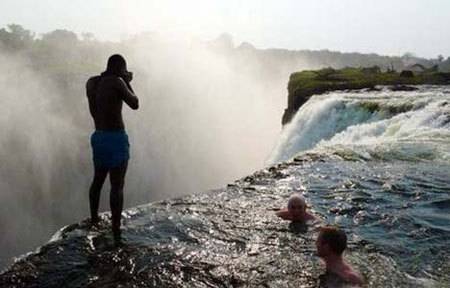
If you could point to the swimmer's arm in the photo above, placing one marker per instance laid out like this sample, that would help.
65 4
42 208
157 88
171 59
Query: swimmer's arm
354 278
284 214
127 94
310 217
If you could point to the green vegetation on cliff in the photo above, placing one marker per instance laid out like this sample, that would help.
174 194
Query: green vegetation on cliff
304 84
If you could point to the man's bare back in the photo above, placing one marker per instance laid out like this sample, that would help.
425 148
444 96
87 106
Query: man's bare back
105 95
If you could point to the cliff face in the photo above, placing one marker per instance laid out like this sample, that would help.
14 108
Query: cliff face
228 237
302 85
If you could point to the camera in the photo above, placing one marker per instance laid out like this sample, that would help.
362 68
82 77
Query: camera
127 76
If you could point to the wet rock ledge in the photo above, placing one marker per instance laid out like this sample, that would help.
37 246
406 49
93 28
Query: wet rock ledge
227 237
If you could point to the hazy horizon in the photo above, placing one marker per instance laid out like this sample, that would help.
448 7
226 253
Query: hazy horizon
381 27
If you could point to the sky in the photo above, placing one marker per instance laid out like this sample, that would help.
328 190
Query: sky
388 27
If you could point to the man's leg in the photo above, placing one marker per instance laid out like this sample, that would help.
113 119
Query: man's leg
94 192
117 178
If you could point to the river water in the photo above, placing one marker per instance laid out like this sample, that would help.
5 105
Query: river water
375 163
394 188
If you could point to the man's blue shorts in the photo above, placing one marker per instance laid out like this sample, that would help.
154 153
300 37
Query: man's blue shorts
110 148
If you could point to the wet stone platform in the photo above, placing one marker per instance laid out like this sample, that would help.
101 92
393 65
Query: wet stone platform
227 237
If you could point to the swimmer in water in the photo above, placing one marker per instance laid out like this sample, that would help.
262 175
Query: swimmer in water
296 210
331 244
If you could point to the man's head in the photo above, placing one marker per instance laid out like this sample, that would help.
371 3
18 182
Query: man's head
296 205
331 241
116 65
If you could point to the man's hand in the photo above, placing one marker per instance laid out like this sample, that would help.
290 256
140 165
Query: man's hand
127 77
127 94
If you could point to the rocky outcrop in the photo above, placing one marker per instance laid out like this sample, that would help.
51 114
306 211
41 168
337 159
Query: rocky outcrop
228 237
302 85
300 97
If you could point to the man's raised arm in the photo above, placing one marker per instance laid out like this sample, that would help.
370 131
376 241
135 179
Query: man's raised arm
128 95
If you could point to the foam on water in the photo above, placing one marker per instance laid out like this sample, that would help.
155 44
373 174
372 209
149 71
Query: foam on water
383 125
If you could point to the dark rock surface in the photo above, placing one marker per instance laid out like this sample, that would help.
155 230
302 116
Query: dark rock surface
295 101
302 85
228 237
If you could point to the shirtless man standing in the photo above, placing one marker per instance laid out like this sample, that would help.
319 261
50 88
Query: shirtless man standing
109 142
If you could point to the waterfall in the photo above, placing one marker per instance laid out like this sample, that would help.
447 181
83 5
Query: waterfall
386 124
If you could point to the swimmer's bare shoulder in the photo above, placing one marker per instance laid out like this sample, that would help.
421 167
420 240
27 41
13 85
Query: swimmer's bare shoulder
334 279
354 278
310 217
284 214
351 276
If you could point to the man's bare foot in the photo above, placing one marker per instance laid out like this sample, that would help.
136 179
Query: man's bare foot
95 221
117 235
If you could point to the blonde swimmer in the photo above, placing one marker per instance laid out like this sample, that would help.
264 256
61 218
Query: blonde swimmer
296 210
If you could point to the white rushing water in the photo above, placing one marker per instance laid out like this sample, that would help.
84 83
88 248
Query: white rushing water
383 125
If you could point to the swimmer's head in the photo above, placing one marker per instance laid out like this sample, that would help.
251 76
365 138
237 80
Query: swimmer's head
331 240
296 205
